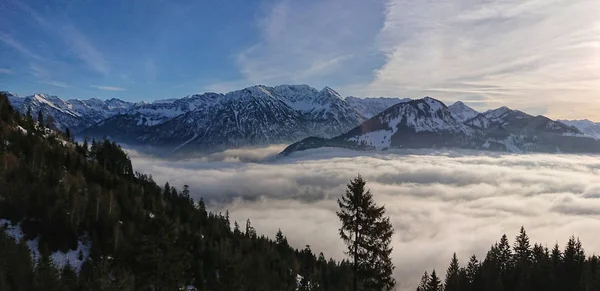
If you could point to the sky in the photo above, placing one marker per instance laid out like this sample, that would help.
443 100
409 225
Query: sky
540 56
439 202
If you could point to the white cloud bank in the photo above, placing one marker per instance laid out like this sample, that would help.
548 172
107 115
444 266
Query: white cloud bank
439 202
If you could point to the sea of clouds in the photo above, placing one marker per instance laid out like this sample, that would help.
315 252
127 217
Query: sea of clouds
439 202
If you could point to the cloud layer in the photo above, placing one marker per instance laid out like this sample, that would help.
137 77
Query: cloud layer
439 202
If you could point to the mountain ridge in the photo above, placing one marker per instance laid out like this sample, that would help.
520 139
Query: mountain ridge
261 115
429 123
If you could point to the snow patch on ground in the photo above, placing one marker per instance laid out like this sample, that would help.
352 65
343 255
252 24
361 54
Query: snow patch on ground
72 257
59 259
378 139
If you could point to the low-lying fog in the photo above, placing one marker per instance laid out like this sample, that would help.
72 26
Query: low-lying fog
439 202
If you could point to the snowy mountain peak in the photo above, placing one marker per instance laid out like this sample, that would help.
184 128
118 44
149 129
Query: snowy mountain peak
74 114
330 92
462 112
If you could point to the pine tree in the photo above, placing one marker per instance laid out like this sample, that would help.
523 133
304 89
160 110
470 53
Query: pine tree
280 239
452 282
424 282
434 283
40 118
367 234
504 255
472 270
250 232
522 256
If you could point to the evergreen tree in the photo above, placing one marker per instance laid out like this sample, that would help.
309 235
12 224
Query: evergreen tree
504 255
40 118
472 270
453 280
424 282
367 234
522 256
434 283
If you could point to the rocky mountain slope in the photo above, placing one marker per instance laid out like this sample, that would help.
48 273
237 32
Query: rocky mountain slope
74 114
462 112
586 126
429 123
257 115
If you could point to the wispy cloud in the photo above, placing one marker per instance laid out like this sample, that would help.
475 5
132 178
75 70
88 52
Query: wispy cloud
10 41
55 84
6 71
72 37
313 42
108 88
84 49
533 53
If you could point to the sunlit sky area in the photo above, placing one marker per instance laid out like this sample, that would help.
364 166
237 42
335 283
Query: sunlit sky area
539 56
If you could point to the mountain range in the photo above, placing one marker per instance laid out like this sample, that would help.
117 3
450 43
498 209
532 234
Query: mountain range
429 123
307 117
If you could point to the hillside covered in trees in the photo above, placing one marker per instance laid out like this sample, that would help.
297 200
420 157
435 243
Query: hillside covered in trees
137 235
521 268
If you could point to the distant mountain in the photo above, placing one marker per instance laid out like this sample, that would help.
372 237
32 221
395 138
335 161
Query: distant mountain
586 126
428 123
257 115
74 114
462 112
369 107
262 115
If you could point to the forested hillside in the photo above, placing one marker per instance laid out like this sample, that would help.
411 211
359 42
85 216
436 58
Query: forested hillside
520 267
131 233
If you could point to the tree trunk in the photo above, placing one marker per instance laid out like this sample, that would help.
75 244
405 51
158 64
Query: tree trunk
356 251
97 208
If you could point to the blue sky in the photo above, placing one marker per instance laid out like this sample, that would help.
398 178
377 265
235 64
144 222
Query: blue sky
541 56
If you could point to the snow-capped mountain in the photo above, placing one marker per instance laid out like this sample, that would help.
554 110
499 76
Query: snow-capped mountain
74 114
257 115
520 122
462 112
369 107
588 127
428 123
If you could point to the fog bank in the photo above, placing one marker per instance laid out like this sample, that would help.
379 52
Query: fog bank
439 202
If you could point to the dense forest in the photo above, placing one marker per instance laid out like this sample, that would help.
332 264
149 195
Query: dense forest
141 236
521 268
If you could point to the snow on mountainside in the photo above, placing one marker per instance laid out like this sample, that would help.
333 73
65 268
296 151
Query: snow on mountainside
424 115
256 115
588 127
428 123
462 112
369 107
74 114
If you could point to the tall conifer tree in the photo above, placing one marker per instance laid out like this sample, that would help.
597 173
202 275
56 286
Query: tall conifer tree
367 234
